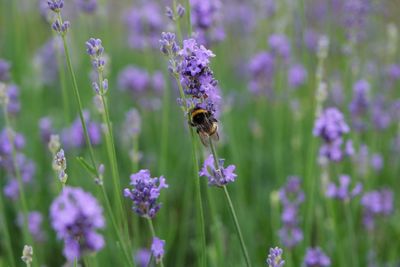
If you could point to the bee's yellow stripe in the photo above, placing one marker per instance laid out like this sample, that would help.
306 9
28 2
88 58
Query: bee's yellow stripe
198 111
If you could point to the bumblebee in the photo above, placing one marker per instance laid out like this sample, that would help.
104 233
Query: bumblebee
205 123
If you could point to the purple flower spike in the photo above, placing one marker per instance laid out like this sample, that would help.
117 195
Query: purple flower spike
376 204
157 248
220 176
55 5
75 216
4 70
142 257
315 257
275 257
145 193
94 47
342 192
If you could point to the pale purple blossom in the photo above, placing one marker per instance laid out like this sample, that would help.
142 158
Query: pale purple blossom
343 191
217 176
315 257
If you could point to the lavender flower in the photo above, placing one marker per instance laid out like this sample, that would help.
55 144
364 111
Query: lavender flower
291 196
377 162
46 129
144 24
168 45
60 165
355 16
275 257
261 70
197 78
13 105
60 27
87 6
4 70
35 220
55 5
342 192
76 216
142 257
359 104
315 257
280 45
297 75
27 255
145 193
207 21
376 204
157 249
331 127
45 61
220 176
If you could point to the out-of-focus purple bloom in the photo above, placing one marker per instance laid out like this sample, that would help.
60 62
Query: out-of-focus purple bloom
291 196
132 124
311 39
331 127
35 220
46 129
220 176
87 6
297 75
261 69
355 16
394 71
376 204
359 104
4 70
157 249
240 17
315 257
73 137
275 257
76 216
381 116
145 193
134 79
13 105
46 61
142 257
280 45
342 192
144 24
377 162
207 20
11 189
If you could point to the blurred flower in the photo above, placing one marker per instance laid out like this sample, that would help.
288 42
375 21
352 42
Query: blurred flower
75 216
87 6
393 71
145 193
45 60
377 204
4 70
46 129
144 24
73 136
142 257
262 70
331 127
377 162
291 196
297 75
275 257
220 176
355 15
359 104
157 249
280 45
13 105
342 192
207 21
35 220
381 116
27 255
315 257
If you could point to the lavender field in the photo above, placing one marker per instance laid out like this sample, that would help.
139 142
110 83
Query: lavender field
210 133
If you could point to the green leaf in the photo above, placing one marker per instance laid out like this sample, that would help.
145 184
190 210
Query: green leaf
87 166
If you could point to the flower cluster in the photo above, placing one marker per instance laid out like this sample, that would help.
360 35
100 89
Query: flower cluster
73 136
331 127
45 61
59 26
9 141
297 75
291 196
220 176
315 257
376 204
261 71
280 45
157 249
144 24
145 193
180 11
95 50
142 85
35 220
87 6
275 257
76 216
359 104
197 77
60 165
342 191
207 21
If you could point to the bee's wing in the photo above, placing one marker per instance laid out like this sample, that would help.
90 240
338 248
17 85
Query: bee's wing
203 138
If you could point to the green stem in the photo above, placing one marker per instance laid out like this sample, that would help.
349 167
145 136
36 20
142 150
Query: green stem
178 24
188 17
231 208
353 248
78 98
165 127
153 234
6 233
